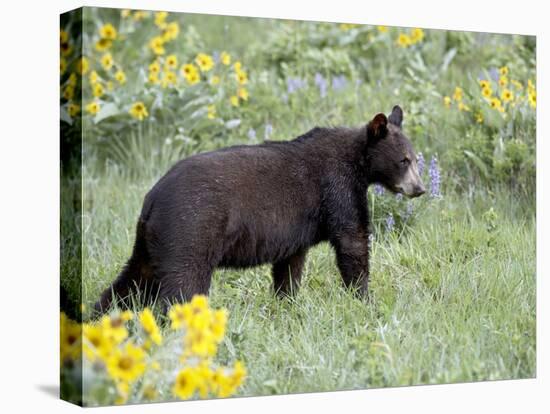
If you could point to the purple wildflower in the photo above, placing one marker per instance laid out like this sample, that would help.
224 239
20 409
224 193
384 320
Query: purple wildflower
251 134
293 84
339 82
399 197
421 163
321 83
494 74
268 131
409 210
378 189
390 222
435 178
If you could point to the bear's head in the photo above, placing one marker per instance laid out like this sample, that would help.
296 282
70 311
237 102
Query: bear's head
391 160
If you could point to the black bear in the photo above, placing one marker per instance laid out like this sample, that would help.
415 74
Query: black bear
253 204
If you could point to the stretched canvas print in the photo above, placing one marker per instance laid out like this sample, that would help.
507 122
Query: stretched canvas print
258 206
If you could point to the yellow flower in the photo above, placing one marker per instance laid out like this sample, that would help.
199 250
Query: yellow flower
171 61
507 95
486 92
63 36
204 61
404 40
150 393
484 83
211 112
97 90
103 44
199 303
157 45
160 19
237 66
503 81
218 323
154 67
93 107
171 31
185 384
215 80
83 65
382 29
503 71
120 76
530 85
107 61
94 77
108 32
153 78
243 94
457 95
447 101
169 78
225 58
73 109
234 100
242 77
126 365
463 107
417 35
125 13
191 73
479 117
97 342
139 111
517 84
70 339
140 15
114 328
496 104
193 78
123 389
179 314
66 49
146 316
62 65
72 79
68 92
532 98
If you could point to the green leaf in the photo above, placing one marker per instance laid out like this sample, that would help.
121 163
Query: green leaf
478 162
64 115
106 111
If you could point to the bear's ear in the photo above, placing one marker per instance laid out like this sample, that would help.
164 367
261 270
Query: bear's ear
378 127
396 116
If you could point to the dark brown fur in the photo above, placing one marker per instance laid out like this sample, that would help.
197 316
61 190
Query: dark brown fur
249 205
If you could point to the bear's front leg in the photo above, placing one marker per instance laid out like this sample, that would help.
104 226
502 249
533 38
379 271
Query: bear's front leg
287 273
352 256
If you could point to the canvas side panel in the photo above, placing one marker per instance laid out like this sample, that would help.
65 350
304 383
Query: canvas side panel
71 68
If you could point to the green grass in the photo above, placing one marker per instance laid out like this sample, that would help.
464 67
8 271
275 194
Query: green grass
451 299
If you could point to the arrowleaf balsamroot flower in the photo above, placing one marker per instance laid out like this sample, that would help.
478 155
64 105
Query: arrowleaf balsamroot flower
139 111
204 62
93 107
108 32
147 320
127 364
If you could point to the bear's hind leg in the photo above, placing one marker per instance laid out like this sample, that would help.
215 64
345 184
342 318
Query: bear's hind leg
181 284
287 273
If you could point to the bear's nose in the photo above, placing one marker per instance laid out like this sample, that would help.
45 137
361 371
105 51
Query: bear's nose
419 190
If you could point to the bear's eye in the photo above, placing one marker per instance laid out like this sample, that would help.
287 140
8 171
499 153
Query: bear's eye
405 161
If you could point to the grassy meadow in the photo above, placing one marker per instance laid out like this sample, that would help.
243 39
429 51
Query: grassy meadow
453 273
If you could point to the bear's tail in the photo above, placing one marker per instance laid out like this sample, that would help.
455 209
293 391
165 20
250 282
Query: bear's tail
135 277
